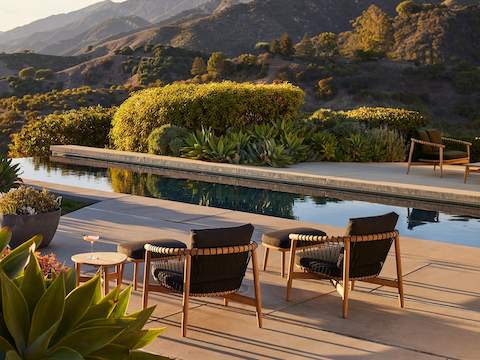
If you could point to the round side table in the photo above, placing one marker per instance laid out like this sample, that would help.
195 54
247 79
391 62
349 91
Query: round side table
102 260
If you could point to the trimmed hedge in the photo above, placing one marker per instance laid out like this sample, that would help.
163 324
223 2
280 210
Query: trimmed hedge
85 126
404 121
219 106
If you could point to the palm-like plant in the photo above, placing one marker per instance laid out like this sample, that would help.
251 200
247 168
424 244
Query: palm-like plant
9 174
46 319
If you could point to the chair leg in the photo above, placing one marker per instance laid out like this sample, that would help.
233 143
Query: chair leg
186 294
135 276
265 258
398 261
441 162
225 301
346 278
291 268
148 257
258 296
410 157
352 285
283 263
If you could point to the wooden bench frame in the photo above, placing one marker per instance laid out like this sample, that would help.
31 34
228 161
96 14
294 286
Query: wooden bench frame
441 149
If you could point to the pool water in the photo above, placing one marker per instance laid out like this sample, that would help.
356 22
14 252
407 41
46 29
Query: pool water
416 220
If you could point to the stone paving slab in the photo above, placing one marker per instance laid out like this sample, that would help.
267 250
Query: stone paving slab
441 318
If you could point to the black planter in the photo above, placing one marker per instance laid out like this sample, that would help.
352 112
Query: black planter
24 227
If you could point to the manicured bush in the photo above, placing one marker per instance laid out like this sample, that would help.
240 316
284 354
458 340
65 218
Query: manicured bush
85 126
221 106
402 120
167 140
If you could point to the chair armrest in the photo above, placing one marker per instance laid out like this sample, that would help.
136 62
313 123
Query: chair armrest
457 141
351 238
441 146
201 251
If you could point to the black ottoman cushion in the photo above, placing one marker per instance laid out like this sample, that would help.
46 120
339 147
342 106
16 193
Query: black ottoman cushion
136 251
280 238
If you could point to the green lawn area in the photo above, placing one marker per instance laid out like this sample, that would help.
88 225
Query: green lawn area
69 205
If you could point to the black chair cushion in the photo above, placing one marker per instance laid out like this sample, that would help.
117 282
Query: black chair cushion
169 274
321 260
210 273
447 155
136 251
367 257
280 238
435 136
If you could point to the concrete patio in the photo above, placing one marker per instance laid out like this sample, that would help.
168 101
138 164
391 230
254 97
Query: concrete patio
442 284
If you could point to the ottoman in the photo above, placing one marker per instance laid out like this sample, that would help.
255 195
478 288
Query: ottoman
279 241
136 253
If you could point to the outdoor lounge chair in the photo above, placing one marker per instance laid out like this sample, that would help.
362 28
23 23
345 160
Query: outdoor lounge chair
214 266
358 256
430 149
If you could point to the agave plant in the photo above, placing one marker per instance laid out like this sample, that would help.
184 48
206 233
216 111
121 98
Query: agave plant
9 174
46 319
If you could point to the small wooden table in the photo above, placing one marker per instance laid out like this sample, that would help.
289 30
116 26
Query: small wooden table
102 260
470 168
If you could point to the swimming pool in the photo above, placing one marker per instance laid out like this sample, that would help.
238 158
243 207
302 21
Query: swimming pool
422 220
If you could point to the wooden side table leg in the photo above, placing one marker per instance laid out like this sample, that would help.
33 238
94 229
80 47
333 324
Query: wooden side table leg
467 172
119 275
106 288
77 272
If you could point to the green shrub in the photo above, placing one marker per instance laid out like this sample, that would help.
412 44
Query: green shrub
326 88
408 7
217 105
324 146
85 126
9 174
167 140
28 201
402 120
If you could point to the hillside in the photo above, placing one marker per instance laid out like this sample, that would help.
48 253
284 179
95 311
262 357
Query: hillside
104 30
42 34
441 34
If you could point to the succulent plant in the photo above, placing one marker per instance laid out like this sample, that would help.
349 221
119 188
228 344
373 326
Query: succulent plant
9 174
28 201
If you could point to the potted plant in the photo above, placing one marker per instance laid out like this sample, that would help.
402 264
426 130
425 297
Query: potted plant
28 212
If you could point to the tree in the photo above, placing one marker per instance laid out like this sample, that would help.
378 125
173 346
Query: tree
305 47
286 45
275 46
27 73
326 44
262 46
198 67
372 32
46 74
216 63
408 7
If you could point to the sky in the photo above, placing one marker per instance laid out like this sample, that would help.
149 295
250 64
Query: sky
15 13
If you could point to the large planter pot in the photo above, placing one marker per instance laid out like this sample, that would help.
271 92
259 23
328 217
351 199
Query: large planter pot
24 227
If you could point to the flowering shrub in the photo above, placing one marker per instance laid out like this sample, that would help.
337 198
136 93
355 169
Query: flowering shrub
49 263
28 201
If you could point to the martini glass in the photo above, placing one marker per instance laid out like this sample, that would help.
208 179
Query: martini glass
91 239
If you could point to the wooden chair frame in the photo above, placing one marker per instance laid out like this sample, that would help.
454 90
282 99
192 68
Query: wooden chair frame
187 254
347 284
441 149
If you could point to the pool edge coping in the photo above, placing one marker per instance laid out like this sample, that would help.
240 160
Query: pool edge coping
411 191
